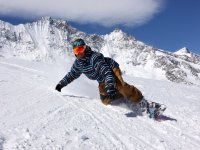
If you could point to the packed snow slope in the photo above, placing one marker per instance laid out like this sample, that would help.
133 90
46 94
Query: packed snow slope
33 116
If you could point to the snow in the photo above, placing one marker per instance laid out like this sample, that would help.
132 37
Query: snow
183 51
35 116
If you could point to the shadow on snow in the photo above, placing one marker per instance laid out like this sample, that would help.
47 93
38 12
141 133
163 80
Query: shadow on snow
124 103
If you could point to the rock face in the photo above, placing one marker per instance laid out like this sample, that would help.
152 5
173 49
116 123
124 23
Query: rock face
49 38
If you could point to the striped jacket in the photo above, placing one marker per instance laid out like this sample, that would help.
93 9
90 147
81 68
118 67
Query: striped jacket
96 67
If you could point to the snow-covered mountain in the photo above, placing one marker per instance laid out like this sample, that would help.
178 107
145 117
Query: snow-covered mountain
33 116
49 39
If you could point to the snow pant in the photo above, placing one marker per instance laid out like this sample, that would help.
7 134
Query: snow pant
124 90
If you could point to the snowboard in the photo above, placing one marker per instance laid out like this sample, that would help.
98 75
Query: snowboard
144 108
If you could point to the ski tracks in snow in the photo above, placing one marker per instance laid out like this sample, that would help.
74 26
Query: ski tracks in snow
35 117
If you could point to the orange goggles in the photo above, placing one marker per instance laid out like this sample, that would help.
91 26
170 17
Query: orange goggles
79 50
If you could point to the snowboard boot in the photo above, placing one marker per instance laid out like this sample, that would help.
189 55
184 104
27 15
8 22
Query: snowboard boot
143 104
152 109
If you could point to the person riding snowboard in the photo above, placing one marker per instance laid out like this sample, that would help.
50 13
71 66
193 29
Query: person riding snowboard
103 69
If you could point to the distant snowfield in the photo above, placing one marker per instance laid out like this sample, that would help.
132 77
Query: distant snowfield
33 116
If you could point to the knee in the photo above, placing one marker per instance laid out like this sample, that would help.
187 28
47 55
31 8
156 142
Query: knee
106 101
102 97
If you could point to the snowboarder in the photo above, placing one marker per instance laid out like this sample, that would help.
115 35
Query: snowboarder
103 69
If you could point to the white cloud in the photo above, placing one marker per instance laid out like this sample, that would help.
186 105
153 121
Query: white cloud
103 12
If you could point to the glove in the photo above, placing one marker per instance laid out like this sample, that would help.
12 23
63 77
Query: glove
58 87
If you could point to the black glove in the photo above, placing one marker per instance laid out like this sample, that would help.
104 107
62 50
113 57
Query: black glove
58 87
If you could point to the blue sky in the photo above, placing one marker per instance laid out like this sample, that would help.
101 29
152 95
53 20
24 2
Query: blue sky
165 24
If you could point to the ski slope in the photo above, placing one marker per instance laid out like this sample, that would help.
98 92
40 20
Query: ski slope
33 116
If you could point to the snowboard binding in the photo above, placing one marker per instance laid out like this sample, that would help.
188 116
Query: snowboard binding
152 109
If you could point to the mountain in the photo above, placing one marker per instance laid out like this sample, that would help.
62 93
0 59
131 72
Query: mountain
49 39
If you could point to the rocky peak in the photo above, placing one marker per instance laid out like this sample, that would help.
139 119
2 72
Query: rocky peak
118 34
183 51
185 54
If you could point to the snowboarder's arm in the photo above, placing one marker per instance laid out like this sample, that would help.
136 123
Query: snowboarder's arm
74 73
104 70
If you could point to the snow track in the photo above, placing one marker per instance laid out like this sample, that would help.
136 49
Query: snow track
36 117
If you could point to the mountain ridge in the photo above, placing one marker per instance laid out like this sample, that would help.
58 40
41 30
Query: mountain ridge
47 38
